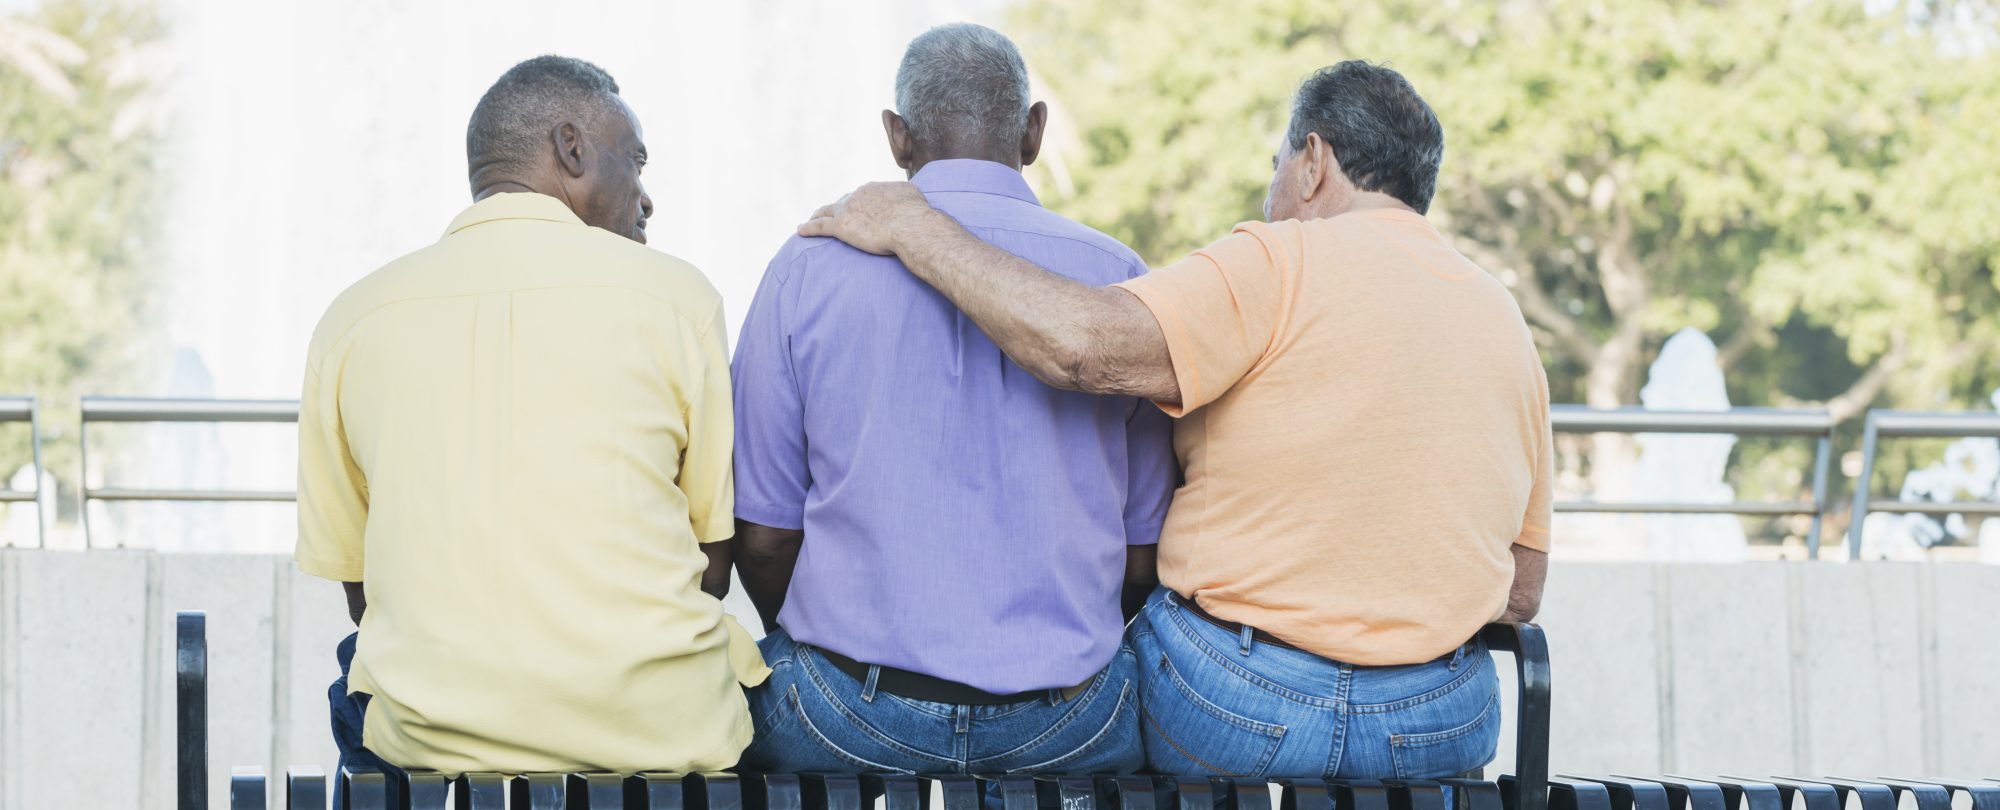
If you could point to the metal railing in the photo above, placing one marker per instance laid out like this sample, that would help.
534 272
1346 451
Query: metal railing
98 410
1912 425
1569 419
1817 425
22 409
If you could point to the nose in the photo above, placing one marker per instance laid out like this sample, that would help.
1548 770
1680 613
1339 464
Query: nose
645 205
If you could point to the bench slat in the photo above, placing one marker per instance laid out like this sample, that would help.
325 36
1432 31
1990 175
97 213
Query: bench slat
246 789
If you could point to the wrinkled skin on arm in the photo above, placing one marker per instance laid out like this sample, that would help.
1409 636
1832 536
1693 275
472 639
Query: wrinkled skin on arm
1524 598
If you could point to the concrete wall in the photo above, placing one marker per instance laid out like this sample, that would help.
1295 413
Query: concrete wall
1743 669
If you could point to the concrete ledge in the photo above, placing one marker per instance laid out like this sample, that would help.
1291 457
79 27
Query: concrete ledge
1744 669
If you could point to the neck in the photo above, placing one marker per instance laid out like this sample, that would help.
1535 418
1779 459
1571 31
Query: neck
1010 160
486 183
1373 200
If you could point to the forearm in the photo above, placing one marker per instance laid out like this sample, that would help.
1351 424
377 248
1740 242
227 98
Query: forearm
715 578
768 557
1524 597
1142 577
1069 335
357 601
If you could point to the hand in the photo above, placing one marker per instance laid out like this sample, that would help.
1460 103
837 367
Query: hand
871 218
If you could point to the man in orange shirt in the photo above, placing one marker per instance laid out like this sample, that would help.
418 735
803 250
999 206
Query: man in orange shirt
1363 420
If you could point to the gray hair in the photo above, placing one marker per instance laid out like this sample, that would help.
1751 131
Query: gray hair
512 122
1384 135
963 81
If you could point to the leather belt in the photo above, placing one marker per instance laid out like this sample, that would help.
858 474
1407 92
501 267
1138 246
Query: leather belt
918 686
1234 628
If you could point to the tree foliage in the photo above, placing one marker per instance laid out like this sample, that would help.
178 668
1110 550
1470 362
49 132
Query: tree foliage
78 147
1812 183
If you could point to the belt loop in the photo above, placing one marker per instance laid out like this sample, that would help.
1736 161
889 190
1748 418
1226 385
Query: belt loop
1055 697
1458 656
868 687
1248 636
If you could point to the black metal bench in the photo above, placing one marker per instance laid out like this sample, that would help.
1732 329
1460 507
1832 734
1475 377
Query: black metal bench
309 787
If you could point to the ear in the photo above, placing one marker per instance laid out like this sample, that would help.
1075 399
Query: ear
1031 138
902 147
1317 167
572 148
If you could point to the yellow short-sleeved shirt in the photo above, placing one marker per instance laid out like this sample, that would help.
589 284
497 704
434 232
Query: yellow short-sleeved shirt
515 438
1365 431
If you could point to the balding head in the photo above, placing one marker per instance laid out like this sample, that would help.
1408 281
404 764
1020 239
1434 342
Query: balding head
555 125
962 92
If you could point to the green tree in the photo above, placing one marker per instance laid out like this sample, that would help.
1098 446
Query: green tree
79 139
1811 183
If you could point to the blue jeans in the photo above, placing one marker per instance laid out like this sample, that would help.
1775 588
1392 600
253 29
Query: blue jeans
347 711
1218 703
812 717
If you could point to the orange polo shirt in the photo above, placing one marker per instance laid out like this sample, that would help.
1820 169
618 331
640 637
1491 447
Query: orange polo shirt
1364 427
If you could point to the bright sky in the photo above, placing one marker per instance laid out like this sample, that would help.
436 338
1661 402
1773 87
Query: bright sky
315 140
318 140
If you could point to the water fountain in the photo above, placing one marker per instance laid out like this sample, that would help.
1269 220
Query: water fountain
1683 468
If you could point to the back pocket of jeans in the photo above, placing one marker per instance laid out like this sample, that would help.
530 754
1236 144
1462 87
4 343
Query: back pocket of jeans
1188 733
1426 754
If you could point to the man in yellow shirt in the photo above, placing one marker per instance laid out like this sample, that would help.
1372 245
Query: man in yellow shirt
514 449
1364 425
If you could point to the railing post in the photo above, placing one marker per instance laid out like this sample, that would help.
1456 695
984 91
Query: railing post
191 708
1860 519
35 448
1822 459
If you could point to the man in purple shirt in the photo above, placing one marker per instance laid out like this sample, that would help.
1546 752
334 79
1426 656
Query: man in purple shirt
917 516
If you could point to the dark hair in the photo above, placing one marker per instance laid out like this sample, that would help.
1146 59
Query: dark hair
512 122
1384 135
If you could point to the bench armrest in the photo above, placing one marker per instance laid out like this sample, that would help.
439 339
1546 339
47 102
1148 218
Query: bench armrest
1531 720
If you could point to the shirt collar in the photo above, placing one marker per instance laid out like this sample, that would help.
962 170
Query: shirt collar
514 205
981 176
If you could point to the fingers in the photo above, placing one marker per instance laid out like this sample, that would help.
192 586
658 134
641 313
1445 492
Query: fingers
817 226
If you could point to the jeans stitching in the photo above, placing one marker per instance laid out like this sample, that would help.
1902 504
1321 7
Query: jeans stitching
1453 685
805 721
1400 743
1089 745
1077 706
1264 760
1202 646
1211 709
1435 737
826 692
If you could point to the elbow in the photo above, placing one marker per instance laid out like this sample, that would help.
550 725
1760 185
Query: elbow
1063 361
759 551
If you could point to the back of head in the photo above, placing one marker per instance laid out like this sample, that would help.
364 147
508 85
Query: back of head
509 134
963 91
1384 134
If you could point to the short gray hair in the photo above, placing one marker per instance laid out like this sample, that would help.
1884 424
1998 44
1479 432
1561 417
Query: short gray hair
963 81
511 125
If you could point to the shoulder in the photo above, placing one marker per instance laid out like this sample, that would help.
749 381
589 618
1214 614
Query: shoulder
1030 221
670 281
394 282
804 258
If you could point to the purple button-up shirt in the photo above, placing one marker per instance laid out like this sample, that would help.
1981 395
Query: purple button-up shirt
961 519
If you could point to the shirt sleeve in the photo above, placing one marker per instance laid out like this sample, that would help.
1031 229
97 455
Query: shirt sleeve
705 475
1219 309
771 471
1541 499
333 492
1151 474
